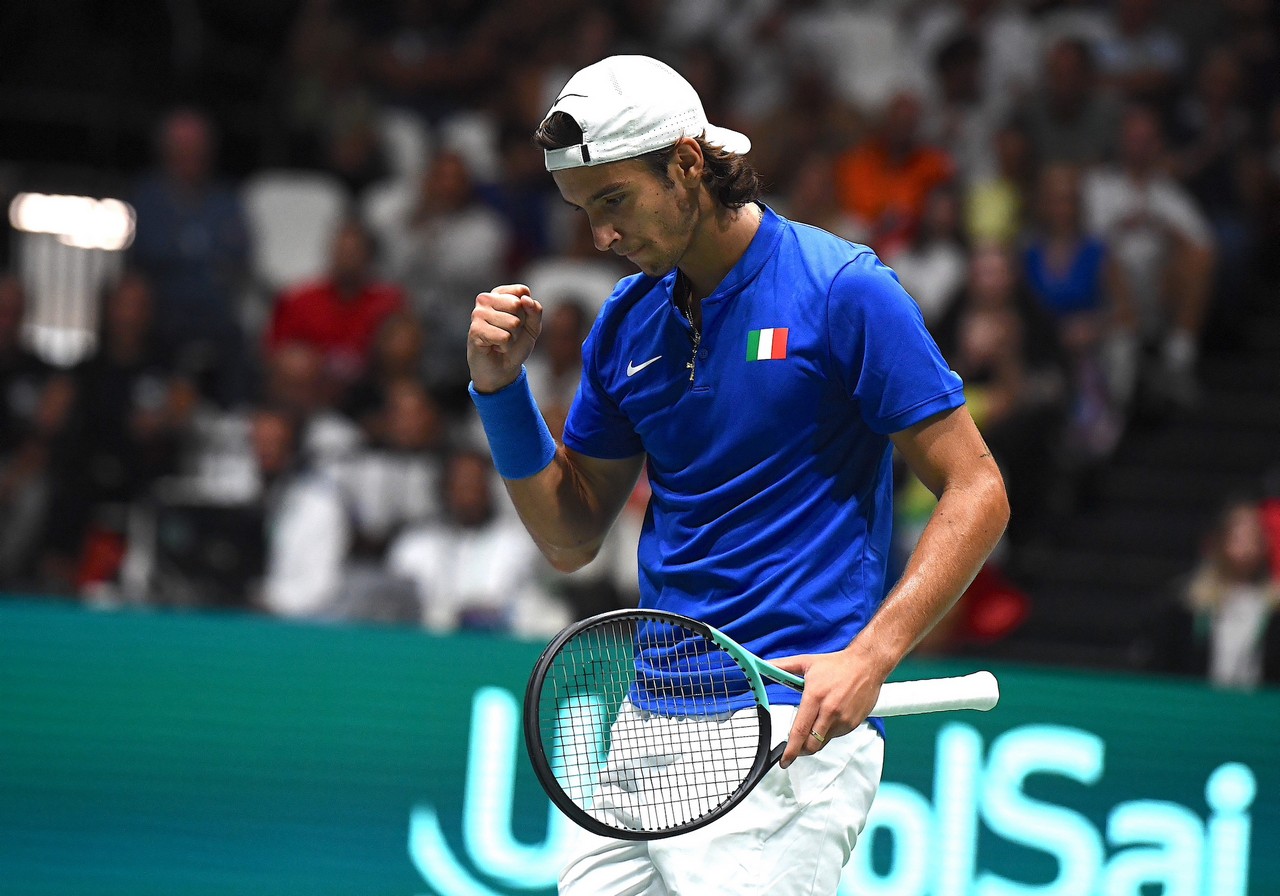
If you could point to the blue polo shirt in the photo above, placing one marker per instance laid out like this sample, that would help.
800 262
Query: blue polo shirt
768 452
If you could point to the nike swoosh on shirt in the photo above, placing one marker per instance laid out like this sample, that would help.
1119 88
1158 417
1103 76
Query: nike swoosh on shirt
633 369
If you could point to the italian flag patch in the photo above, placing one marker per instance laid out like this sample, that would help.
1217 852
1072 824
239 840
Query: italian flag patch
767 345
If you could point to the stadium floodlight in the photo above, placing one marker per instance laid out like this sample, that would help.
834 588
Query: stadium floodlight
78 221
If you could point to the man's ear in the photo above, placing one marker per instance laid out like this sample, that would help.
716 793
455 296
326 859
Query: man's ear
688 162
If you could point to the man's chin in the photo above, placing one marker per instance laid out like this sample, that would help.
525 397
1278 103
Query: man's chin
651 270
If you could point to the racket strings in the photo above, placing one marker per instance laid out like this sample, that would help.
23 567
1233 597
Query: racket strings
651 725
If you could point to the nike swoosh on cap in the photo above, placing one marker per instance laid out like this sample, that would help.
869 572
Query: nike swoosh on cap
633 369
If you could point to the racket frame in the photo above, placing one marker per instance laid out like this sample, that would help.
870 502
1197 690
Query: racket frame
752 667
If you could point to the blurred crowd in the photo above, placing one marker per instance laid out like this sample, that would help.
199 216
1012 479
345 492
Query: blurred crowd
1079 195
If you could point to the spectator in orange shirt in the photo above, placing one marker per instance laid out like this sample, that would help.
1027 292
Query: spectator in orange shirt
885 180
340 314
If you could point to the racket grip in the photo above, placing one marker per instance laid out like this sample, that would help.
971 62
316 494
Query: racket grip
979 691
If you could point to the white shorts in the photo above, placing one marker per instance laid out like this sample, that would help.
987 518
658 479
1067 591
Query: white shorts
791 836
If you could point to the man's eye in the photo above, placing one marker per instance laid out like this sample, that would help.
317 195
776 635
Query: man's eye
613 201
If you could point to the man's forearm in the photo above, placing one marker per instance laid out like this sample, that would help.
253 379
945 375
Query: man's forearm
965 527
569 506
556 511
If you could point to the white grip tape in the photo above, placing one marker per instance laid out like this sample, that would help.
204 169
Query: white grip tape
979 690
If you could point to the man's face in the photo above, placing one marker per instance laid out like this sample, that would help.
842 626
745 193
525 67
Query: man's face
448 182
467 491
562 335
1066 73
271 436
129 308
1140 140
297 377
350 254
413 421
187 147
902 120
633 212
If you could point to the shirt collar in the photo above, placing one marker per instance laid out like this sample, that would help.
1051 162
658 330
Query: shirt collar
758 252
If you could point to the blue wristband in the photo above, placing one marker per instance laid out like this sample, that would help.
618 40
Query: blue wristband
519 440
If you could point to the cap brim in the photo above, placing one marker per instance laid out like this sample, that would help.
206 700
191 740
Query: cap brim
728 140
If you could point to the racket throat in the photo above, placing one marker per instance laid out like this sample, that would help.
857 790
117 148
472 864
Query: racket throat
775 754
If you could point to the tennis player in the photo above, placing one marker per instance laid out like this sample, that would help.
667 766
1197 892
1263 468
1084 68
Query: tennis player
764 370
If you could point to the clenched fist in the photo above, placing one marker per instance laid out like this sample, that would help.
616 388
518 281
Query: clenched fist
504 326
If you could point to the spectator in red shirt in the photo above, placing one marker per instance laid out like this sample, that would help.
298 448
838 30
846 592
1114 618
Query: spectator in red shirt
340 314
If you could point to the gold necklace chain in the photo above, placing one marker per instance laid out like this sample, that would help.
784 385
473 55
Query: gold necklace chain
686 307
697 341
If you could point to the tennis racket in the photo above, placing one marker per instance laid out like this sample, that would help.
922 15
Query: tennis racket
643 724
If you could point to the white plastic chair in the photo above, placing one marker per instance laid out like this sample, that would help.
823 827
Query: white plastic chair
292 218
385 207
408 142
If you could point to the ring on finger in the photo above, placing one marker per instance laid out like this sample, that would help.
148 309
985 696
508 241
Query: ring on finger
818 737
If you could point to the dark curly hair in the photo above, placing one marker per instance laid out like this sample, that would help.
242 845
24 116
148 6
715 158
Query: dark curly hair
728 175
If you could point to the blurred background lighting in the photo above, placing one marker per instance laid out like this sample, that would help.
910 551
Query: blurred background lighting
79 221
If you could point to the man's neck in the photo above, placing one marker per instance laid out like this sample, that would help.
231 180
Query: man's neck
349 288
1141 174
721 242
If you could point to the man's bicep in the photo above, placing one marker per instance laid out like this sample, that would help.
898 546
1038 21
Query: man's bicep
946 449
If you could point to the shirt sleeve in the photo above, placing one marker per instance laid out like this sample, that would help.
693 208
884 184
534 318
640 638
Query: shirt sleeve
596 425
888 361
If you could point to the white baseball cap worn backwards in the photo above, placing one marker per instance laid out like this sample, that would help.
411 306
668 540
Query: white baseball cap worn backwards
628 106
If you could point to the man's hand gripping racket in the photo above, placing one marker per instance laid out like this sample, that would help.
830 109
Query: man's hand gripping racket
642 724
